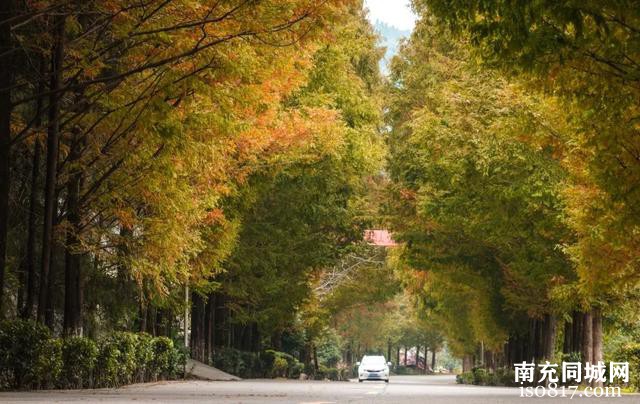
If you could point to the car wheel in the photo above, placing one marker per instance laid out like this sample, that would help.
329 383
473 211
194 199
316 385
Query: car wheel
359 380
386 381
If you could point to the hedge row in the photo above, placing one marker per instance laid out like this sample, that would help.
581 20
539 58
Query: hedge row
482 377
248 365
630 352
31 359
270 364
506 377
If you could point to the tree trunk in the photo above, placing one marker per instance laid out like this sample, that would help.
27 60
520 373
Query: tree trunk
433 359
72 324
467 363
531 341
256 344
597 338
405 356
52 162
151 320
567 337
218 329
276 340
7 9
587 338
208 328
398 355
315 358
549 337
142 313
578 318
30 274
197 327
160 322
49 309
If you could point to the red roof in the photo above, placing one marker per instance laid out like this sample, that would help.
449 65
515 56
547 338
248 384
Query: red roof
379 237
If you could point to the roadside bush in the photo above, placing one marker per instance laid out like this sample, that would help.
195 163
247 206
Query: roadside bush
107 365
30 358
240 363
143 357
79 357
24 349
269 363
295 369
630 352
328 373
126 345
481 376
163 364
407 370
465 378
280 364
345 373
251 365
505 377
178 362
49 364
329 348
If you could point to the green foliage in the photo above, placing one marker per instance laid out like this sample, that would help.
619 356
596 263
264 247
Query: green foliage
329 373
126 344
475 193
108 371
482 377
405 370
329 349
79 355
124 358
143 356
166 361
574 58
49 366
28 355
280 364
630 352
465 378
236 362
247 365
30 358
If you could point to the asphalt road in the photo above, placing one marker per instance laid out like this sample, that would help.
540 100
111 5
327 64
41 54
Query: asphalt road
401 389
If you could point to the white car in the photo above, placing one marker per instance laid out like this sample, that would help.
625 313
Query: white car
373 368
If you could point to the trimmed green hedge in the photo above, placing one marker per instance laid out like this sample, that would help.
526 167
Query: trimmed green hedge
269 363
31 359
630 352
482 377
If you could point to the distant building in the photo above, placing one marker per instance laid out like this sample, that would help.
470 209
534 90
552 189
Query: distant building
379 238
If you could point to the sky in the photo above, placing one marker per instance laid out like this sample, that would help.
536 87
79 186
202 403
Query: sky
393 12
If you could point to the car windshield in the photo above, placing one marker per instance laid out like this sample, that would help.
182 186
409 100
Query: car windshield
373 361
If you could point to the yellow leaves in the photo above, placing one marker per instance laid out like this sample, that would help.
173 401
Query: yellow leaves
213 217
190 132
126 218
